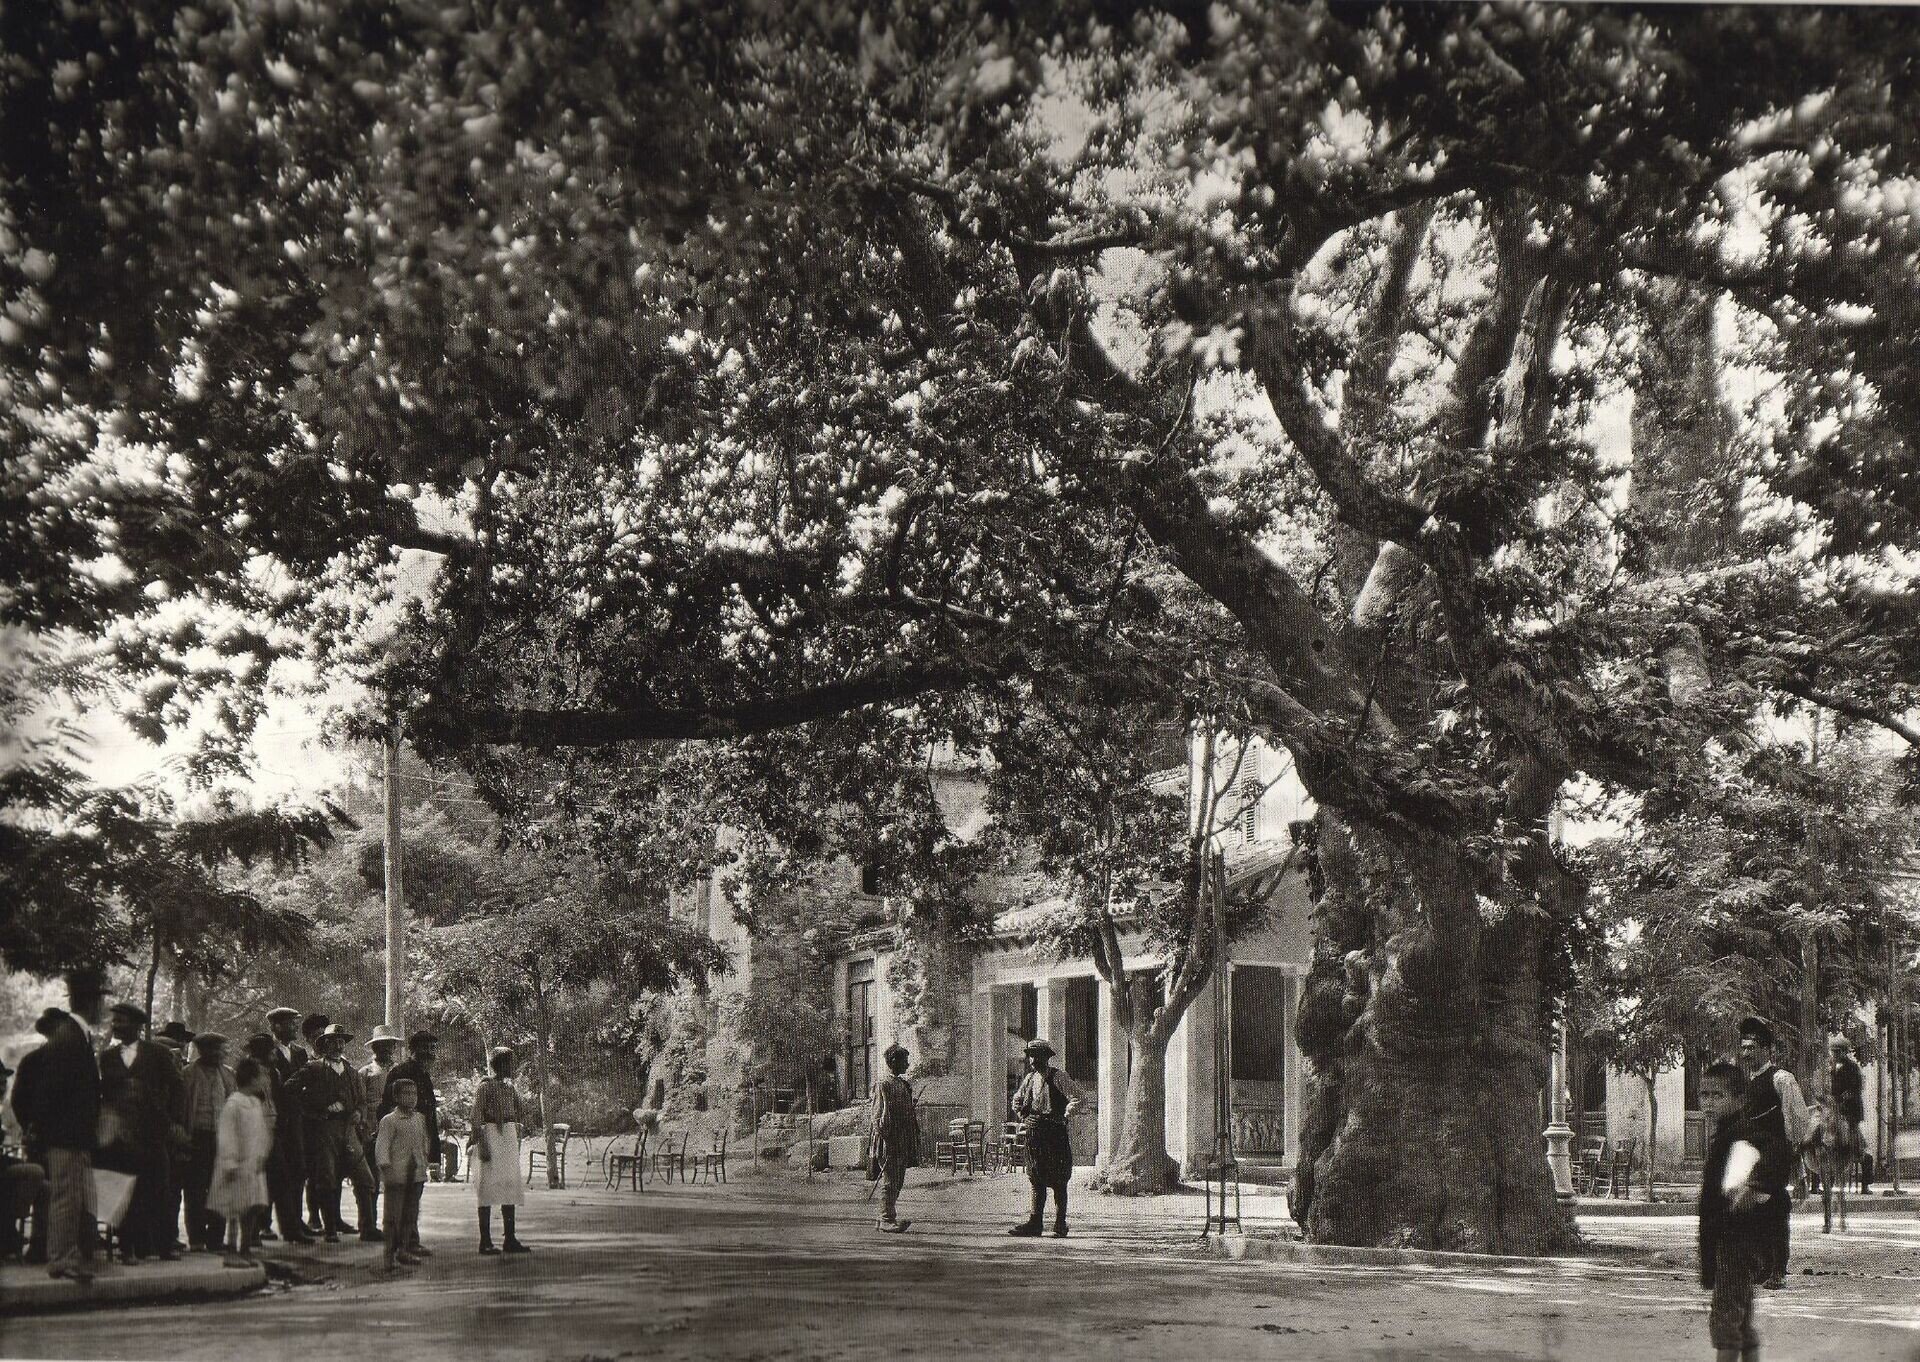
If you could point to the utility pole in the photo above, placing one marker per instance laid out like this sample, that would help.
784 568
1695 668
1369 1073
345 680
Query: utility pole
396 894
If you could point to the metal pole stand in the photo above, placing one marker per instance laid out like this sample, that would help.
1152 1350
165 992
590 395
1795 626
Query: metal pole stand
1225 1169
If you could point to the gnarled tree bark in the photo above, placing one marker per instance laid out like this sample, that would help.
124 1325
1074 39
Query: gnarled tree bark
1422 1021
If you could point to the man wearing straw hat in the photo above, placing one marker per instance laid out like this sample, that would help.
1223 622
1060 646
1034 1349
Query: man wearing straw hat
384 1045
334 1101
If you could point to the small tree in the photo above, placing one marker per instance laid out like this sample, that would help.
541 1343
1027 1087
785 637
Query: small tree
1080 786
545 929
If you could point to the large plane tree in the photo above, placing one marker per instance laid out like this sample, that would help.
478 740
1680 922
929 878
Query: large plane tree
745 368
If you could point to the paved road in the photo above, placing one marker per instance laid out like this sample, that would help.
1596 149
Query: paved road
759 1270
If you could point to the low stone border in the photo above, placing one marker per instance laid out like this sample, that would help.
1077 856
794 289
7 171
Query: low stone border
32 1291
1257 1247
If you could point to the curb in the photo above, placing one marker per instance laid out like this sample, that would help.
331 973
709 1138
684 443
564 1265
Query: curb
34 1292
1260 1248
1856 1205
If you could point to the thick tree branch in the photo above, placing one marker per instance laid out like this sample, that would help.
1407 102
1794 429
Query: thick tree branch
1852 709
888 684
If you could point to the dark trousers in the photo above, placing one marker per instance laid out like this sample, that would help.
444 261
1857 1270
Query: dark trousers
286 1177
893 1176
1041 1183
1779 1226
336 1154
145 1229
205 1228
23 1191
373 1197
315 1198
403 1216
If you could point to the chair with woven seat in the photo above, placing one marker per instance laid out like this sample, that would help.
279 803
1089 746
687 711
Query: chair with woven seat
1013 1146
671 1157
712 1162
631 1165
537 1152
1620 1169
1587 1168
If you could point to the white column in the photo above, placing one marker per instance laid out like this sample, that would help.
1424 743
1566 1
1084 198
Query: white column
1052 1014
989 1041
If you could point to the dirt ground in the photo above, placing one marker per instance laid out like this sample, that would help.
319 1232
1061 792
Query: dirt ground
763 1269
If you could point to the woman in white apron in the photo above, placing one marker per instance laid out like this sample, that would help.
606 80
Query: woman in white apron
497 1116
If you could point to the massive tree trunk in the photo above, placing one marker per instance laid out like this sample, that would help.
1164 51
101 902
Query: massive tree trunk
1425 1038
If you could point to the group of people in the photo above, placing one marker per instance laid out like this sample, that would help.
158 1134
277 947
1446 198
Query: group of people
236 1148
1041 1104
1759 1127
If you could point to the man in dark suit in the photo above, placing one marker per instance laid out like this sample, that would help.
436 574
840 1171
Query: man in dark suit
140 1095
1776 1117
287 1164
418 1068
56 1095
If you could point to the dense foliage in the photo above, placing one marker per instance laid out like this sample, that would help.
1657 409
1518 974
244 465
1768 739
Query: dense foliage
745 367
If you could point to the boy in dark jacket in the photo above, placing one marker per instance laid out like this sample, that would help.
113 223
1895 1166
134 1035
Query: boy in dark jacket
1735 1233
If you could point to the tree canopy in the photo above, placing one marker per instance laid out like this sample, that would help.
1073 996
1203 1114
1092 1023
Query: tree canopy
756 366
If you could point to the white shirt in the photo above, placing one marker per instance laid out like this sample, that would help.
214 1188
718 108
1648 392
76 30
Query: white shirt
129 1051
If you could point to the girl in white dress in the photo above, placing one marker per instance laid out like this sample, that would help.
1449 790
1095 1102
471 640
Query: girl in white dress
241 1145
498 1114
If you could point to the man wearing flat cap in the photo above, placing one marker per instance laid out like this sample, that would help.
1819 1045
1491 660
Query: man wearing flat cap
287 1162
896 1138
334 1100
56 1096
207 1084
1042 1104
140 1096
1776 1119
417 1068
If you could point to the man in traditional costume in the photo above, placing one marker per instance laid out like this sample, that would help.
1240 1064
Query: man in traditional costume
1044 1101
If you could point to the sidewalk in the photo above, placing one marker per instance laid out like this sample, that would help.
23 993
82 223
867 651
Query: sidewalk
196 1276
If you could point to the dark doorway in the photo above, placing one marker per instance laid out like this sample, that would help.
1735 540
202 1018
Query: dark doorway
1081 1045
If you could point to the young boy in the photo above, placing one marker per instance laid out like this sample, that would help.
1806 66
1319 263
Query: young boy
1734 1231
401 1151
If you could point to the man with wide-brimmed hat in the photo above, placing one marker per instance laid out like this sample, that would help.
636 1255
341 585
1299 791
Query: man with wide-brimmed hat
140 1103
335 1102
287 1163
896 1137
207 1084
384 1046
1044 1101
1776 1119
